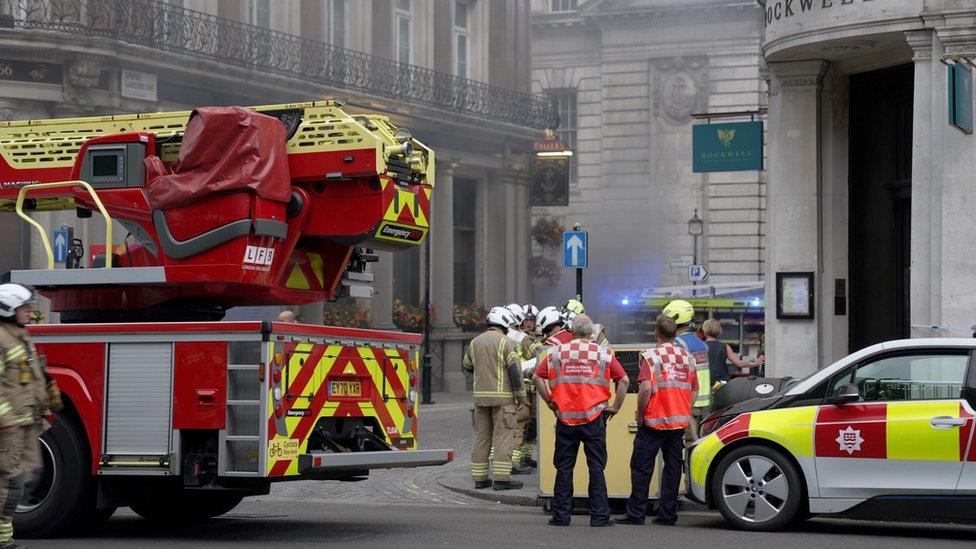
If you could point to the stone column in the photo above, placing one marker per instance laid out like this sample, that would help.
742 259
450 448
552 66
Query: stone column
381 306
442 247
926 256
952 295
505 183
793 346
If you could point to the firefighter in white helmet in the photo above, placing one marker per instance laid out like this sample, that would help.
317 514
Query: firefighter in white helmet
26 395
498 394
525 435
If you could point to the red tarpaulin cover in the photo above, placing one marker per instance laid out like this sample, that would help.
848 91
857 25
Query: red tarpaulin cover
224 149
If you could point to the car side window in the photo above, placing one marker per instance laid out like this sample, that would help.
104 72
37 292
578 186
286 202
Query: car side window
908 376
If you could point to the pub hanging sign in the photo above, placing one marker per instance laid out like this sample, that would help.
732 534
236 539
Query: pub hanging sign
727 147
960 86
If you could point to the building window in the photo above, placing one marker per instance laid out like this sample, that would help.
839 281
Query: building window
461 38
404 24
566 104
563 5
464 241
259 13
337 22
406 277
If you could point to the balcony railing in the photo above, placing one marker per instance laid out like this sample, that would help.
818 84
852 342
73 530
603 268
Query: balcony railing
164 27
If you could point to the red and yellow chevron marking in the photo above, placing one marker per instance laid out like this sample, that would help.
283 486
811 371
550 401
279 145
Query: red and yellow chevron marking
306 271
305 384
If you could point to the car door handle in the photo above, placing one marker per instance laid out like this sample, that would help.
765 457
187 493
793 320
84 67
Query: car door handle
947 422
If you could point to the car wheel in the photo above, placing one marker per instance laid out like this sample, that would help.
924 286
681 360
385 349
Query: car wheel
757 488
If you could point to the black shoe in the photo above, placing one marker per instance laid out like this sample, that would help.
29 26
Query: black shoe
530 463
602 524
630 520
479 484
521 470
662 522
507 484
554 522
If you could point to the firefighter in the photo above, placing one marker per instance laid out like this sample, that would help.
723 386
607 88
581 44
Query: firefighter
551 324
575 307
683 315
498 394
527 446
25 397
668 383
523 344
579 375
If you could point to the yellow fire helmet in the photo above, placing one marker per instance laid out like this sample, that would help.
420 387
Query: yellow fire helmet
681 311
574 306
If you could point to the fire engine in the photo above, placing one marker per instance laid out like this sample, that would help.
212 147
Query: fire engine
169 410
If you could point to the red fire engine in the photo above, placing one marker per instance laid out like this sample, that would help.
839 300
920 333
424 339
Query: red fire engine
169 410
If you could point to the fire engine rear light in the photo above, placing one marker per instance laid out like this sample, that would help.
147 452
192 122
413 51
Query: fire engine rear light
279 359
317 461
277 376
277 393
413 380
409 411
279 411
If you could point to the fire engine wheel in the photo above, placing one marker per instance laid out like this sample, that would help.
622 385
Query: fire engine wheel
64 498
178 505
757 488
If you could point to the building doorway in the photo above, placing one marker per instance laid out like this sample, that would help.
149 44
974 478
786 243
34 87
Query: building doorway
880 204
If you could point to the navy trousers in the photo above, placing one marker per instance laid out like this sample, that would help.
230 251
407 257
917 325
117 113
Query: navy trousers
647 443
593 436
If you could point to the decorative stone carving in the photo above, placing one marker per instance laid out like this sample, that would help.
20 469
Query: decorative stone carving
82 75
83 72
679 87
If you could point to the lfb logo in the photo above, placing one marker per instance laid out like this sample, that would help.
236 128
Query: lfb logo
259 255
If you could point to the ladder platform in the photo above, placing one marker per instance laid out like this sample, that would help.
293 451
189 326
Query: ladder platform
89 277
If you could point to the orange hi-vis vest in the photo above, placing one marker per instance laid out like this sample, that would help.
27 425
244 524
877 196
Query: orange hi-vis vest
673 376
579 377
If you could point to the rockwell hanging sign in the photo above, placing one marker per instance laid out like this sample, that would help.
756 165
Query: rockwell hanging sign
728 147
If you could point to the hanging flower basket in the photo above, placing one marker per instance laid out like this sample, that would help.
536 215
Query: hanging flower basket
346 314
545 268
407 317
469 318
548 232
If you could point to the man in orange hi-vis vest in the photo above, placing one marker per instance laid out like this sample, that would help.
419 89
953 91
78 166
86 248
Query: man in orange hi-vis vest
579 375
668 387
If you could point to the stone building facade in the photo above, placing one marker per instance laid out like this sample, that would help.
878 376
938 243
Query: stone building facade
429 64
628 76
870 187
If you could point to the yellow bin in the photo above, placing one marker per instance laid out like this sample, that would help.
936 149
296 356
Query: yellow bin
620 441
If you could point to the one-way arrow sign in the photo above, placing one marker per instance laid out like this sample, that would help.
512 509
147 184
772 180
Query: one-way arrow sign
574 249
60 245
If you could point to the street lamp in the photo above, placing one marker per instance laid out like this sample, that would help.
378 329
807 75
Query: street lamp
695 228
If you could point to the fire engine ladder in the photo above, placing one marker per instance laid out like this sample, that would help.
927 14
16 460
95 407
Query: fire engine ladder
78 277
240 443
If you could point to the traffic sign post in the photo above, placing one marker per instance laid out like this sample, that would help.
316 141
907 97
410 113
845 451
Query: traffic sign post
575 254
62 240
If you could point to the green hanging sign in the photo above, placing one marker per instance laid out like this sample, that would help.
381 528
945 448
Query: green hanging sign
960 86
729 147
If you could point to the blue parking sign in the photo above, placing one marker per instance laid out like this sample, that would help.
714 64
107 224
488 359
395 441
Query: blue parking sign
575 246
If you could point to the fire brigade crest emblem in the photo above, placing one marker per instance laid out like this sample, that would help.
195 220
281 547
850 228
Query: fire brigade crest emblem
850 440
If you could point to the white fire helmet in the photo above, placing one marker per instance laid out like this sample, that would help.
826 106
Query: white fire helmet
13 296
517 313
547 317
501 317
530 310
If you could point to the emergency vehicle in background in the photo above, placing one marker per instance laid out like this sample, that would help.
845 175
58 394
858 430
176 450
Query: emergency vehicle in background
885 433
169 411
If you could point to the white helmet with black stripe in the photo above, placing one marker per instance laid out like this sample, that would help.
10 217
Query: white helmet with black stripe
501 317
517 313
530 310
13 296
548 317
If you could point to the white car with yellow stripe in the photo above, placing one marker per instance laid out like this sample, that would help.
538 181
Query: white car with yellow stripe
886 432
